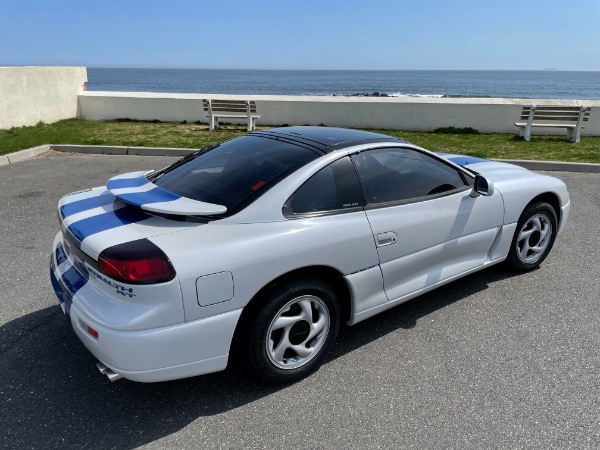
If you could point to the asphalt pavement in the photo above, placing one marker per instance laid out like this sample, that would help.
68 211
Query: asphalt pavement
494 360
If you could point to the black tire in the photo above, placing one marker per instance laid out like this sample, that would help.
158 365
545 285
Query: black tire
522 256
262 337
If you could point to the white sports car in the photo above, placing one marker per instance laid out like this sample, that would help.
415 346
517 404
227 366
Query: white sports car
266 243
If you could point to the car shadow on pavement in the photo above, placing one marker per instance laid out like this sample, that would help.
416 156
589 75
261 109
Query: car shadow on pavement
406 315
52 395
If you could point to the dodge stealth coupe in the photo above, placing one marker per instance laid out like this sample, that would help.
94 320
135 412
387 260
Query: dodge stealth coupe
266 244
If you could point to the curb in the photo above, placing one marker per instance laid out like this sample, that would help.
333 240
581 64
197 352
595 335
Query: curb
178 152
23 155
116 150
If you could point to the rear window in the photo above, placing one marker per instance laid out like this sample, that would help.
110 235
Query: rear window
234 173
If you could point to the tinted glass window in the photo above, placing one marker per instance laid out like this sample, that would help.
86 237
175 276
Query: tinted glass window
235 172
335 187
391 175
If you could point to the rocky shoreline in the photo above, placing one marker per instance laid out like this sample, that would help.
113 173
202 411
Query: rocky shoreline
380 94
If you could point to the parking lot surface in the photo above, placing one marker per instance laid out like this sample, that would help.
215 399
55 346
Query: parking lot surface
494 360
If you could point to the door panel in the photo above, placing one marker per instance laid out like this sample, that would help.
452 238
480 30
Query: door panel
413 272
437 238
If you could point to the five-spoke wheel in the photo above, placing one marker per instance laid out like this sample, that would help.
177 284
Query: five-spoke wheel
534 237
297 332
293 330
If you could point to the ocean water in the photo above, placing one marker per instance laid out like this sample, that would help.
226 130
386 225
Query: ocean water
434 83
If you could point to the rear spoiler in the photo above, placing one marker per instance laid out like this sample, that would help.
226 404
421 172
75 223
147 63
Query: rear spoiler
134 189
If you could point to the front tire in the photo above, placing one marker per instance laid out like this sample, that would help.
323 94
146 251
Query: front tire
293 331
534 237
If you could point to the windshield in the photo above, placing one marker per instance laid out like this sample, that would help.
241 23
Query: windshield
235 173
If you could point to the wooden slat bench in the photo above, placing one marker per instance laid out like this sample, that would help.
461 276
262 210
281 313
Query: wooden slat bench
231 109
569 117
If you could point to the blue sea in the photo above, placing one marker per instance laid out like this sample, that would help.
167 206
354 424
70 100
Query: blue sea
427 83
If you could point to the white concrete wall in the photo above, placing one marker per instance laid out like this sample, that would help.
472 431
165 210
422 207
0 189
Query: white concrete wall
29 95
488 115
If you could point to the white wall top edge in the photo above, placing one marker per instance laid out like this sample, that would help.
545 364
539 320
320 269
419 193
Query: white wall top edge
343 99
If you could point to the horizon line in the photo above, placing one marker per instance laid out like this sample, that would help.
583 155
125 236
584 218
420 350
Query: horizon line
547 69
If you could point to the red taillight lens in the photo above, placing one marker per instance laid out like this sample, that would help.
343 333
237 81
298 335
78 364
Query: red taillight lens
136 262
146 269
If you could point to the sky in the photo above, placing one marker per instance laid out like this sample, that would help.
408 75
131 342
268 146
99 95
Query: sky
303 34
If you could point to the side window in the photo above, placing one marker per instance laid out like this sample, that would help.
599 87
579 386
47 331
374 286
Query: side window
396 174
333 188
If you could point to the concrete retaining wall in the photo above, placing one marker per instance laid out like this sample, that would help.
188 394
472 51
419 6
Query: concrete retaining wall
488 115
29 95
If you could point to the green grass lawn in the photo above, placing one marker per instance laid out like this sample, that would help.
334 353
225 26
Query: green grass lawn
149 134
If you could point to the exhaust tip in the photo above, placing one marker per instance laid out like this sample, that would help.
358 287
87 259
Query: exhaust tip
112 376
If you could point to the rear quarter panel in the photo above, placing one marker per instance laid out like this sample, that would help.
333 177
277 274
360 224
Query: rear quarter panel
257 253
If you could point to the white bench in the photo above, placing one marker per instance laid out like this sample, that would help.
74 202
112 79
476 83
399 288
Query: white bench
231 109
569 117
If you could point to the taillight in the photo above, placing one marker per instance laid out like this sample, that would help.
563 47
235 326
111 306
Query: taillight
136 262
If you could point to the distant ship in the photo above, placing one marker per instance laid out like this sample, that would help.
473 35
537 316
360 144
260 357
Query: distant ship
550 68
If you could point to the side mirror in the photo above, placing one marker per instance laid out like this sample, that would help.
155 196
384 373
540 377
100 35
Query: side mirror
482 186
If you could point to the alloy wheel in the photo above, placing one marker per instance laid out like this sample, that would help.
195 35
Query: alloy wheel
534 238
297 332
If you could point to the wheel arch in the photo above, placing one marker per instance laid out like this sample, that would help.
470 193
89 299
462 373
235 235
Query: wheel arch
552 199
513 260
328 274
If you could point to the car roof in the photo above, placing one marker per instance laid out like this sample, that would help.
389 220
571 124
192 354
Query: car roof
326 139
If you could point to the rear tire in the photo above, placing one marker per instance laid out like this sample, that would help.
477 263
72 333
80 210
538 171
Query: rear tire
293 331
534 237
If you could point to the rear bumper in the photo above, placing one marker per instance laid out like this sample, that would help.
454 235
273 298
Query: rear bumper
160 354
152 354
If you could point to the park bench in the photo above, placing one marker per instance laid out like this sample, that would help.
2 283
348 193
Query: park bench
569 117
231 109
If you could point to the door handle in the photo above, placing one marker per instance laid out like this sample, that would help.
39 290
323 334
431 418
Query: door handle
387 238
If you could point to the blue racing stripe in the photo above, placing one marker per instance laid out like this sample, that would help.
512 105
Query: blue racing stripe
58 290
68 235
127 182
466 160
153 196
61 257
85 204
73 280
102 222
